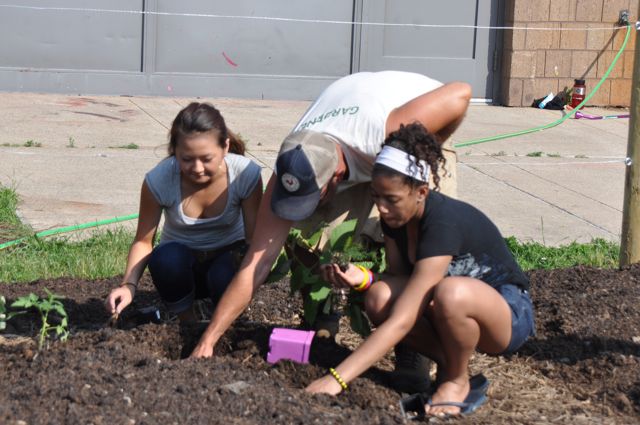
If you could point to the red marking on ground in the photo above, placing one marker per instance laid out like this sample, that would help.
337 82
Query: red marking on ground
229 60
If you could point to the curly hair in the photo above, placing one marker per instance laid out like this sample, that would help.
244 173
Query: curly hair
416 140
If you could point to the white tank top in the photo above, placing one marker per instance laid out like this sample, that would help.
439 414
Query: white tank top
354 111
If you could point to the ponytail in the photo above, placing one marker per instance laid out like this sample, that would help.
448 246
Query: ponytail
236 144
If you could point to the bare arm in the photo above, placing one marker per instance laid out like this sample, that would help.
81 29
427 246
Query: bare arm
269 236
404 314
148 219
441 111
250 210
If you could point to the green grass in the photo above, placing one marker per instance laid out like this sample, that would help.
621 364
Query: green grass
103 254
10 225
129 146
532 255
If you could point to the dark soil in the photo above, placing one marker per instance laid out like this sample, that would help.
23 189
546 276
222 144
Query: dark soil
583 366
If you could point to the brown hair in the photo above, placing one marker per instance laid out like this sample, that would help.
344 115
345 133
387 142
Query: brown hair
416 140
202 118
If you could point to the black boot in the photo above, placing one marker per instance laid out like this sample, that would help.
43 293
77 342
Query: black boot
411 371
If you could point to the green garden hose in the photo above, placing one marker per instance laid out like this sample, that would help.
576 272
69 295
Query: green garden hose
71 229
568 115
456 145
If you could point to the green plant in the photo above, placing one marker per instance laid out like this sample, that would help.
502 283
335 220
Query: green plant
535 154
72 142
31 143
553 155
304 257
129 146
45 306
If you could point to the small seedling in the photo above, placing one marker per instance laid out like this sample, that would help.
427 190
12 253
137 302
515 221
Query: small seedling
553 155
113 320
31 143
304 257
72 143
45 306
3 313
535 154
582 156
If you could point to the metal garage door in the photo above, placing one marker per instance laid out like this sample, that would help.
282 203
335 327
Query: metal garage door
445 53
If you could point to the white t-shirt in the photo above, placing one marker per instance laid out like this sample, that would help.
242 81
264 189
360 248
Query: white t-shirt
203 233
354 111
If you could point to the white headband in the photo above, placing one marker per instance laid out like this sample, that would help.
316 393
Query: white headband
404 163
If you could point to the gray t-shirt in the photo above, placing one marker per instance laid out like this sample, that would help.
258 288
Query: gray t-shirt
203 233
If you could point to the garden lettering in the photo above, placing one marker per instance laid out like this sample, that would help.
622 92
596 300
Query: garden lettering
350 110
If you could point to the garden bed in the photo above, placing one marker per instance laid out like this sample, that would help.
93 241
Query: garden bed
582 367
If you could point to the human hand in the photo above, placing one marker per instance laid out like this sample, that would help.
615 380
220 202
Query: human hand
325 385
351 278
119 298
203 349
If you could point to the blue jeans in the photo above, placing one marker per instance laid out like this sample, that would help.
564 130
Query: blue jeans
182 275
522 322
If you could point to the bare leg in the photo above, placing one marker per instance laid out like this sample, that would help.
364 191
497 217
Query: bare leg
378 303
467 314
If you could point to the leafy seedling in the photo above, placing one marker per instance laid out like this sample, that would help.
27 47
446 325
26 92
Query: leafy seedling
45 306
3 313
305 256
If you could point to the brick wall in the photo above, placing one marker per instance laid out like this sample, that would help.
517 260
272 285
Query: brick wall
536 62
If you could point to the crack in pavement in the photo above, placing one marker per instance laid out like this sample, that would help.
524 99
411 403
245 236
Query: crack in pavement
564 210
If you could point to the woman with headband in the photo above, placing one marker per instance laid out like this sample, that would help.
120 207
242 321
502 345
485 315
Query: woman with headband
451 285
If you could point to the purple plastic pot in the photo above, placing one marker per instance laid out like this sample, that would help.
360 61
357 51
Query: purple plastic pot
289 344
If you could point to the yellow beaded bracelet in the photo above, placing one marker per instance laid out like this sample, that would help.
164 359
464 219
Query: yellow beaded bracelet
336 375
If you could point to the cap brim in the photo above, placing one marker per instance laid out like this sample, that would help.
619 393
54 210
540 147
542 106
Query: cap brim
294 208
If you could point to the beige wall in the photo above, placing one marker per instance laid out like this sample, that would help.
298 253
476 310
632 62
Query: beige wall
538 62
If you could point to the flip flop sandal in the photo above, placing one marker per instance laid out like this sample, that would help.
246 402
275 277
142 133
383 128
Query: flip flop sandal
467 407
412 407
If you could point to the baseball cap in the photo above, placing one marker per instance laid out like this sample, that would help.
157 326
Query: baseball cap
305 163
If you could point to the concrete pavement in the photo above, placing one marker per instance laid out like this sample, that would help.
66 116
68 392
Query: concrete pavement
555 186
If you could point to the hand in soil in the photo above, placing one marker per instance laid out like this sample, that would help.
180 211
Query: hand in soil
325 385
119 298
203 349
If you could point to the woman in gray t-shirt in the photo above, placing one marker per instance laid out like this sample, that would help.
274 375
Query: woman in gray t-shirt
209 194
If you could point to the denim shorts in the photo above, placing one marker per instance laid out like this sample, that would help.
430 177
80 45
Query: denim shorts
522 322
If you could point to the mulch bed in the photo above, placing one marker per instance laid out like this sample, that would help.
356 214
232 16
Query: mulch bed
583 366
